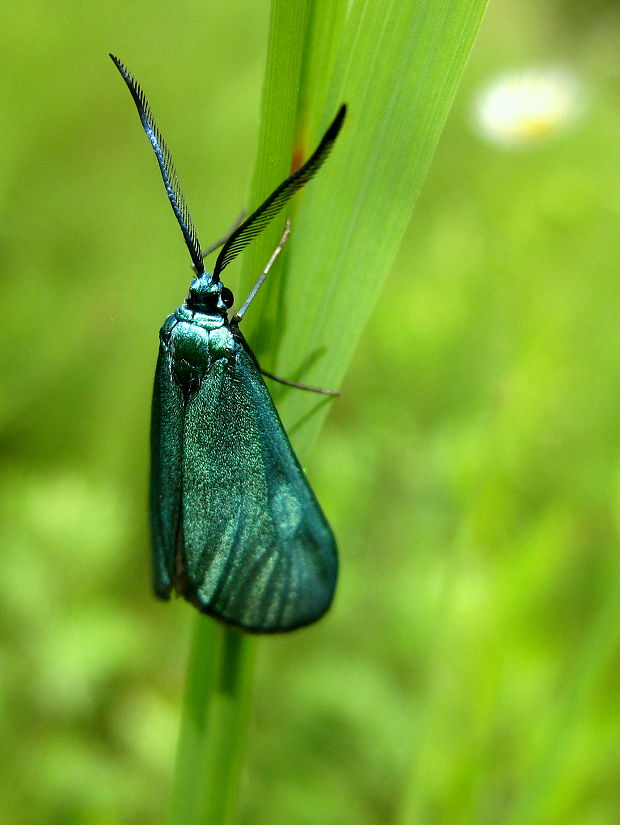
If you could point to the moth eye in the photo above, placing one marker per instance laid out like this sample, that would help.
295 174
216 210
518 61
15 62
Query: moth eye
227 297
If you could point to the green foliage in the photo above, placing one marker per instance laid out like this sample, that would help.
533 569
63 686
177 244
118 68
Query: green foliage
470 469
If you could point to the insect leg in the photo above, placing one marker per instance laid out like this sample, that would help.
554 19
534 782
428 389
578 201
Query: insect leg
224 238
239 315
298 386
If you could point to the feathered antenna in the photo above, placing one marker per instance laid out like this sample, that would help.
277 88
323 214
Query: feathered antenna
166 166
259 219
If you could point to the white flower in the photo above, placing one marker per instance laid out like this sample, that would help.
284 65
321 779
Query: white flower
521 108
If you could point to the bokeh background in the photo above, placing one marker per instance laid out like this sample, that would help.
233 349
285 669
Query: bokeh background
468 670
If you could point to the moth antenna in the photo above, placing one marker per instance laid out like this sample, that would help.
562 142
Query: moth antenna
259 219
166 166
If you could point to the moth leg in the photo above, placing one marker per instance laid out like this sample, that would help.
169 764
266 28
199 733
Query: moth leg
288 383
224 238
239 315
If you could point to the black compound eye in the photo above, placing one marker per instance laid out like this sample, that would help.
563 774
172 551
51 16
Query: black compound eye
227 297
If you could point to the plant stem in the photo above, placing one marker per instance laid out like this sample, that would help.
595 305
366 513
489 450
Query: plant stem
228 714
201 670
215 712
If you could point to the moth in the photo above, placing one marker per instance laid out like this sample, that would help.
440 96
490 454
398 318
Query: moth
236 528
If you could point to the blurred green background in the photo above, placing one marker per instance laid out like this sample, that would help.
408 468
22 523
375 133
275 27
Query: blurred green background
468 670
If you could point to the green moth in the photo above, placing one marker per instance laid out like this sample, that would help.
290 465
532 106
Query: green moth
236 528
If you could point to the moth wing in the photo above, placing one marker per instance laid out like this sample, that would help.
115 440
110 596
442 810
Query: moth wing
165 492
259 552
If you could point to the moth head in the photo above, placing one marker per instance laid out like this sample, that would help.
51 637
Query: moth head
208 296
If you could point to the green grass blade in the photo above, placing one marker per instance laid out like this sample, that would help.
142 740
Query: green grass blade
212 735
287 37
327 19
201 678
228 715
397 67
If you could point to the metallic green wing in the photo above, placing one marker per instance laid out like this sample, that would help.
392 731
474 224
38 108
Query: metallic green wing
166 446
258 552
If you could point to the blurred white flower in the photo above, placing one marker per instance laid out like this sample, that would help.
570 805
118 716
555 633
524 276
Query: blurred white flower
521 108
